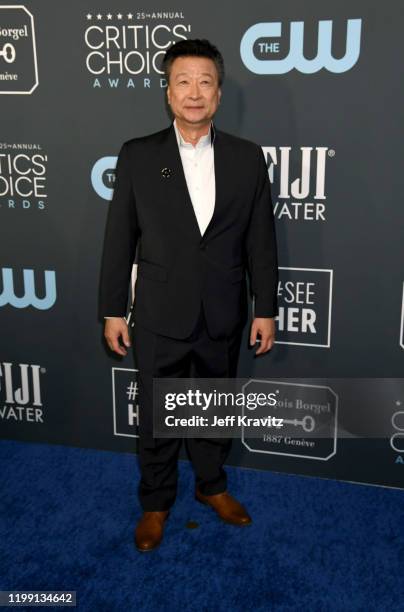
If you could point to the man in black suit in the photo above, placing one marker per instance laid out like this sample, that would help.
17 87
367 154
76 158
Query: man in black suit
197 203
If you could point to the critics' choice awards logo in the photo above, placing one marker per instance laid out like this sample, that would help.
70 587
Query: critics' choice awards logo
264 49
125 402
302 181
23 176
18 61
20 392
126 50
21 290
305 307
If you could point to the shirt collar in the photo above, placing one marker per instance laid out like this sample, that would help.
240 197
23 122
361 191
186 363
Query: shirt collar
203 141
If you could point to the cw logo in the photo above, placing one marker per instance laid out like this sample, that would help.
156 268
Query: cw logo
29 298
104 166
295 57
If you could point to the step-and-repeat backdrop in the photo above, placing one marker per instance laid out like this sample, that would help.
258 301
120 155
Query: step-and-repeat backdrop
318 86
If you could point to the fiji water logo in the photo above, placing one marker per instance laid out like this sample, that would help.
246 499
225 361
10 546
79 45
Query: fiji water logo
20 384
260 33
29 293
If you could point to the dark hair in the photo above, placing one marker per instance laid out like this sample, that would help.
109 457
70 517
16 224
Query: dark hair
196 47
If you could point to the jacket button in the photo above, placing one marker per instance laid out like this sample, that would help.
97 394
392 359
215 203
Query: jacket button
203 247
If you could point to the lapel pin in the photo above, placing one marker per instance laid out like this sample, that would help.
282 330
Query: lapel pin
166 172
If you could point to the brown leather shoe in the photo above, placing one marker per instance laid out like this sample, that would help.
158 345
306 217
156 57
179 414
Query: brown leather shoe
227 508
149 530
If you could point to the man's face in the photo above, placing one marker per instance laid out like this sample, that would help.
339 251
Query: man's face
193 92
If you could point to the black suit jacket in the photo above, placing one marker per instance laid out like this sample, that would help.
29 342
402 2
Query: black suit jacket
177 266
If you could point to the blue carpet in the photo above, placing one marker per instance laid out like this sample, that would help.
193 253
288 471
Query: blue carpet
67 520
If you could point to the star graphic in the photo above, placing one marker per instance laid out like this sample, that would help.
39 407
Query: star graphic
119 15
89 16
109 16
99 16
130 15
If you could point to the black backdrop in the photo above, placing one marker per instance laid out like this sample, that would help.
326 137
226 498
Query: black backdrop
318 86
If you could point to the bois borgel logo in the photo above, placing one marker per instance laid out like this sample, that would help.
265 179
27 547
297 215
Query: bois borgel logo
258 49
18 61
10 293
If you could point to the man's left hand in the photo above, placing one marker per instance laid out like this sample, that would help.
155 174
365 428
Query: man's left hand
266 328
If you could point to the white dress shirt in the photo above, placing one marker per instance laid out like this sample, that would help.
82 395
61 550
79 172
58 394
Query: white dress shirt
199 170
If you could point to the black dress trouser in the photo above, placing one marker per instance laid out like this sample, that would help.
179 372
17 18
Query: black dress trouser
197 356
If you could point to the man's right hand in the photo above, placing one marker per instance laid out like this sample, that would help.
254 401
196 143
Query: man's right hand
115 328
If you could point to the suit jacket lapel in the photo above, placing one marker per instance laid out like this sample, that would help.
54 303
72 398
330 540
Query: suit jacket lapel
221 162
176 184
